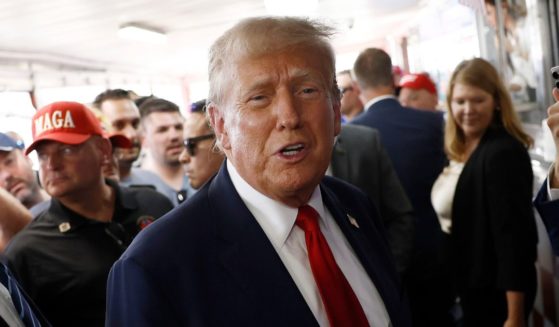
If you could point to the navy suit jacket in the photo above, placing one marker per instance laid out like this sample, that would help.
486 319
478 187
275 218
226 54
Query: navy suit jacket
209 263
414 142
549 212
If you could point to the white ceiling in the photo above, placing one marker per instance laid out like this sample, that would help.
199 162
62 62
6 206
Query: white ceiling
82 34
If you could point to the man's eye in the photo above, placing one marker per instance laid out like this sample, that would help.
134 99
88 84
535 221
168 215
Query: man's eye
257 98
68 150
41 156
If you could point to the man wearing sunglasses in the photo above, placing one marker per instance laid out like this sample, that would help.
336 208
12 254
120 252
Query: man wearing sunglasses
200 157
351 104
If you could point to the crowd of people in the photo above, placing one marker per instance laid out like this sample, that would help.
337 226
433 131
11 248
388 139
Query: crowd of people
292 196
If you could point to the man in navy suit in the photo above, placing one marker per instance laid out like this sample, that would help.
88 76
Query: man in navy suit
241 251
413 140
547 199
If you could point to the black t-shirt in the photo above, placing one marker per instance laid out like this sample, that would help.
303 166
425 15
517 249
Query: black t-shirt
62 259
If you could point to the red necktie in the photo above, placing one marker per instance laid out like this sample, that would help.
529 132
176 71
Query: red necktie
341 304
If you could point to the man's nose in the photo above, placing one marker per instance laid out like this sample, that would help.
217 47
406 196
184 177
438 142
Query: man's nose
51 161
287 111
184 157
130 132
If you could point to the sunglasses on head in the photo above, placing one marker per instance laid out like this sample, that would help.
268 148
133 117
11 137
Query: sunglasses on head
191 143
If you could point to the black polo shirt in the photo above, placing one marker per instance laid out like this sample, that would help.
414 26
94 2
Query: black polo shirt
63 259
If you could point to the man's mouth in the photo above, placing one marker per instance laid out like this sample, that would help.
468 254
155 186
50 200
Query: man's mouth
292 150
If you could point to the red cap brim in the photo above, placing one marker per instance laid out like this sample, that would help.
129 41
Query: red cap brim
63 137
119 141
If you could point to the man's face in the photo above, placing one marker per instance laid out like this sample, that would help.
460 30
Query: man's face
124 118
17 176
350 98
278 121
204 162
68 170
164 136
418 99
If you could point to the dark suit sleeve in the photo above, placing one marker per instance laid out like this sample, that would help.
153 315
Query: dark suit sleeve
509 193
549 212
396 211
133 298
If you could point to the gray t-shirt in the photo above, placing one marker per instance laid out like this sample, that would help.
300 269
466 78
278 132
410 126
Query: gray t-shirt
141 177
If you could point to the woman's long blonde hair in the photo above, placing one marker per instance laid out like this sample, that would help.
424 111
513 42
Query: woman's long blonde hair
479 73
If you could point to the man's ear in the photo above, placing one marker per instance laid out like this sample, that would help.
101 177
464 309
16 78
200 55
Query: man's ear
217 121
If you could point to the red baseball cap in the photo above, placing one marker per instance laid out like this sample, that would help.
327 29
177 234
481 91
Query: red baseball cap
118 140
65 122
418 82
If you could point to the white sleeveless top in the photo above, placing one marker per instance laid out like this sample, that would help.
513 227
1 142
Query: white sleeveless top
442 193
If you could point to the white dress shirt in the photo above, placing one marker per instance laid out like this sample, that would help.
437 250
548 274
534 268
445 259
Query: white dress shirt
377 99
278 222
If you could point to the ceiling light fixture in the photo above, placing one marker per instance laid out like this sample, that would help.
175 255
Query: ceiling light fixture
143 33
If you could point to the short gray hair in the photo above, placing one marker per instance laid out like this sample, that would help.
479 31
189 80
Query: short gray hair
266 35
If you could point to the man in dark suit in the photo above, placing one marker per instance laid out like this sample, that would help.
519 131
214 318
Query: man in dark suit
269 241
547 199
360 159
413 140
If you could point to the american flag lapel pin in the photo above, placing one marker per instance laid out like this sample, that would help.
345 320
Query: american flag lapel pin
64 227
353 221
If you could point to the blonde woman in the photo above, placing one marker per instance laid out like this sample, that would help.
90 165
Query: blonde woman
483 199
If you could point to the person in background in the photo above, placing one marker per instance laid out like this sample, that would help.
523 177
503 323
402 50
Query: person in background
200 157
418 91
269 241
118 112
484 200
351 104
360 159
414 142
547 199
18 178
62 258
162 125
122 116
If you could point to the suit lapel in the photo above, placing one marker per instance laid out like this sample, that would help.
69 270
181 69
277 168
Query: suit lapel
368 249
251 261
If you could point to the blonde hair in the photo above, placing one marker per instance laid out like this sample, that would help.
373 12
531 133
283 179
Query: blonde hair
267 35
479 73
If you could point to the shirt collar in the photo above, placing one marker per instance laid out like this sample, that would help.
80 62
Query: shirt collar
377 99
275 218
59 213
